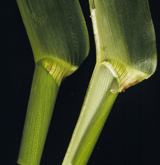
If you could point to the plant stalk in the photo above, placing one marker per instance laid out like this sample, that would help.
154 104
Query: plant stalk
95 110
40 108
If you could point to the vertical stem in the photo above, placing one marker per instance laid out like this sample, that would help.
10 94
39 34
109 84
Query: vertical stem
40 107
95 110
91 138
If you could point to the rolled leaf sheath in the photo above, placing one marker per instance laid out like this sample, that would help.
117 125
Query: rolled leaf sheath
95 110
41 103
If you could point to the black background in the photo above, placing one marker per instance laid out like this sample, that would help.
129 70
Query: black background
131 135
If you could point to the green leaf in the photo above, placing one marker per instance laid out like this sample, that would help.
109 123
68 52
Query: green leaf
124 37
60 43
57 33
125 55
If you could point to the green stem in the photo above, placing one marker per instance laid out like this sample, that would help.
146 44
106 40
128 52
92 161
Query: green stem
41 103
95 110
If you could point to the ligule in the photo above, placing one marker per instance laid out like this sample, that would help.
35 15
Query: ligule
125 75
57 68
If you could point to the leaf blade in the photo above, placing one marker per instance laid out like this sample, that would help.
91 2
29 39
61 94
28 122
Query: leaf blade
124 35
56 30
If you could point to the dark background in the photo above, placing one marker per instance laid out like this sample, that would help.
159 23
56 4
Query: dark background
131 135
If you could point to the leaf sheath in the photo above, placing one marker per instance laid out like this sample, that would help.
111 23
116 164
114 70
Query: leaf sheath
95 110
40 108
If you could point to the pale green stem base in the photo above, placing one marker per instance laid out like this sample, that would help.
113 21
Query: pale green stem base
97 105
41 103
